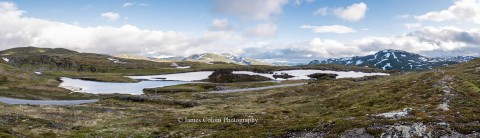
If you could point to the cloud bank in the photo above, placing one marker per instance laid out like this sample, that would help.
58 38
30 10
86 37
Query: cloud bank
432 41
351 13
464 10
19 31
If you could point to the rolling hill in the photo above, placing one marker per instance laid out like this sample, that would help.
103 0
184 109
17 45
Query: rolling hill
59 59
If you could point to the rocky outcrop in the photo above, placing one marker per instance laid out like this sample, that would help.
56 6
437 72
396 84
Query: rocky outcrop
356 133
227 76
406 131
60 62
323 76
283 76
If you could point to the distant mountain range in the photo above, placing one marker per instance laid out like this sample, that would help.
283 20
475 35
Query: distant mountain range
205 57
395 60
227 58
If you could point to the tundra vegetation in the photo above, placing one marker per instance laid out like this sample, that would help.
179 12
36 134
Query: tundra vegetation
371 106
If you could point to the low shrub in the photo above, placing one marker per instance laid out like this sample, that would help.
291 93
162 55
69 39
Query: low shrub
323 76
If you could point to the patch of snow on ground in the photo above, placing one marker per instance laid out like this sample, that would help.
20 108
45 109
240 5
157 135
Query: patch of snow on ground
116 60
184 67
5 59
396 114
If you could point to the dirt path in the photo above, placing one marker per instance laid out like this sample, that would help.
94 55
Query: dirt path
259 88
444 85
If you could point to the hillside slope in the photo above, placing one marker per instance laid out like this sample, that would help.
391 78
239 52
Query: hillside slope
19 83
58 59
443 102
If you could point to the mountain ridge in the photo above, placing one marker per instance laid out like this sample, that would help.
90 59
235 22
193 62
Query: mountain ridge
203 57
225 57
390 59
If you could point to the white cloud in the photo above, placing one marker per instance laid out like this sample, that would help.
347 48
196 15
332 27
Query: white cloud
430 41
264 30
130 4
467 10
330 48
321 11
351 13
339 29
411 26
9 9
250 9
127 4
19 31
299 2
220 24
444 40
111 16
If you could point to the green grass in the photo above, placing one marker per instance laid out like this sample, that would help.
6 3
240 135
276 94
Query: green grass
330 107
205 87
293 109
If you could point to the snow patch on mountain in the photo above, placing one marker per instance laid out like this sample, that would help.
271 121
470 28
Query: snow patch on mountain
227 58
358 62
396 60
387 65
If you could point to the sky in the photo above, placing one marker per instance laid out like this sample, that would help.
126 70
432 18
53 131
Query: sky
268 30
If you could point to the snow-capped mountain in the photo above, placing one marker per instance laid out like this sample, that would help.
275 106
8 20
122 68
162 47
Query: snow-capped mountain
227 58
395 60
205 57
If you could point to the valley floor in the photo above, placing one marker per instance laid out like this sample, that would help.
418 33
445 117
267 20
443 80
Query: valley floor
433 103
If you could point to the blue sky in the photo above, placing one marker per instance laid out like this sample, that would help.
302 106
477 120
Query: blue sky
194 16
271 30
